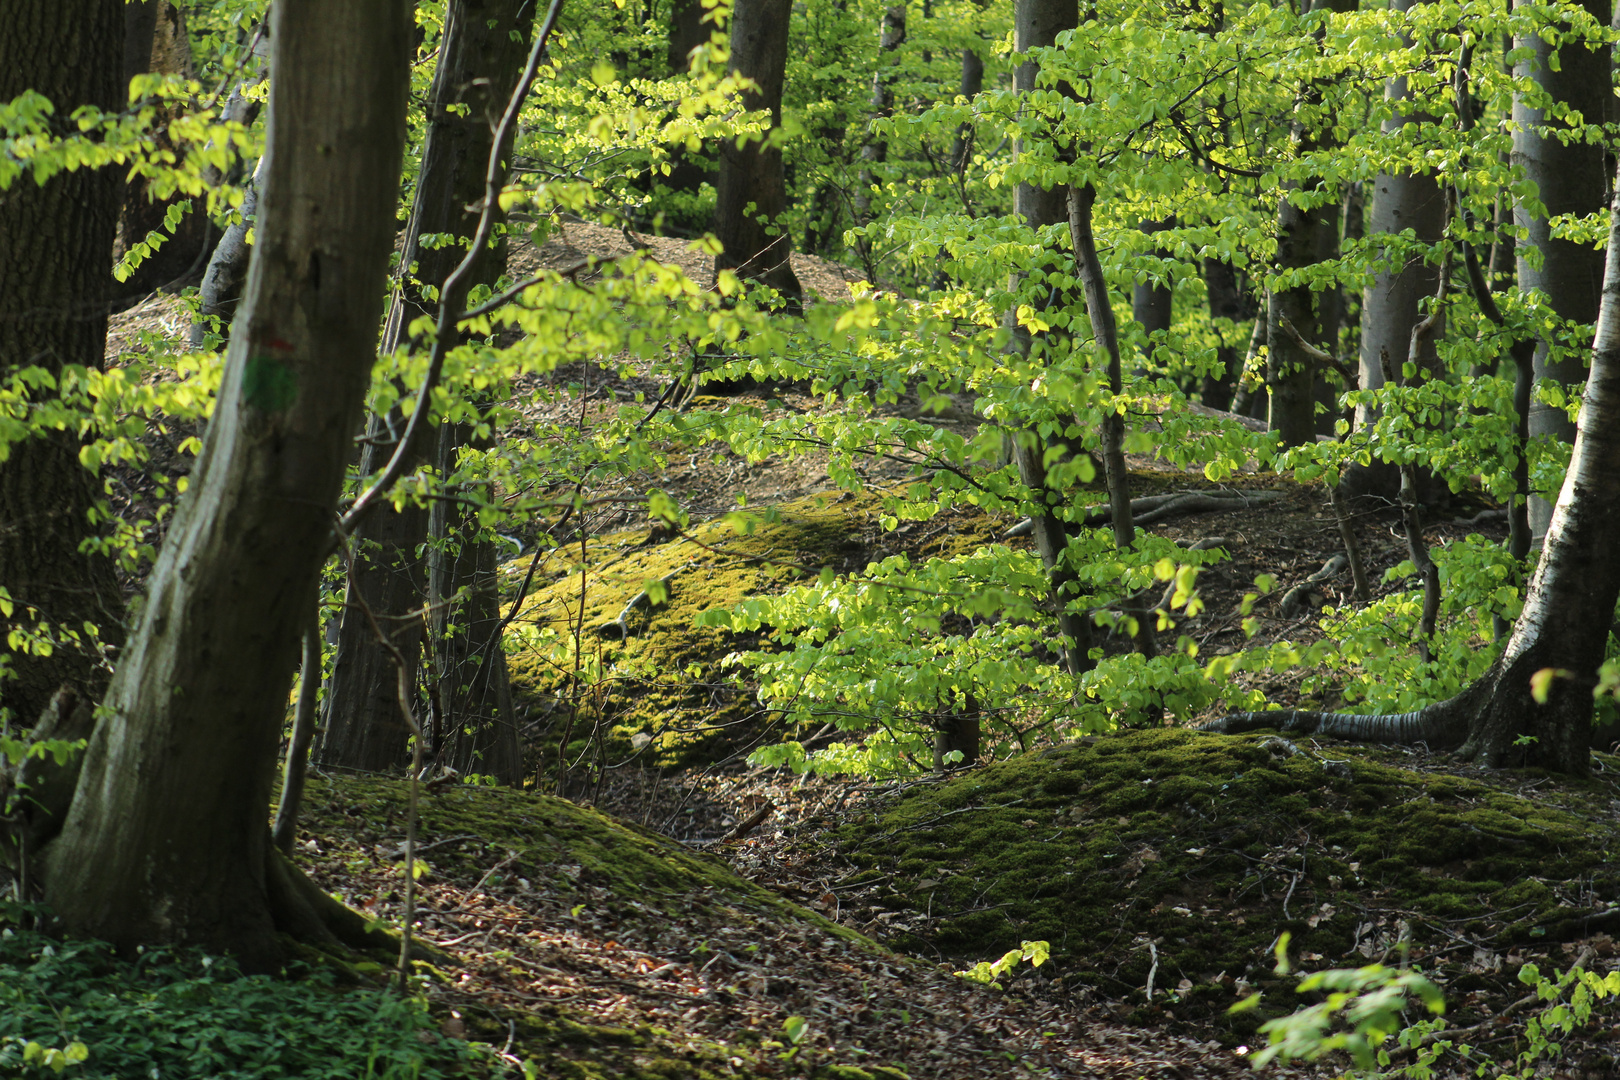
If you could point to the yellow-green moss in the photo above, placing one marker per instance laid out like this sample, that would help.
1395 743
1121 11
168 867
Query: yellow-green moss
1197 842
664 680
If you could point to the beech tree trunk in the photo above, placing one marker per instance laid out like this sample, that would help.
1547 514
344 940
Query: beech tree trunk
472 702
1037 23
479 64
167 839
752 190
1303 235
1569 179
156 41
1563 629
891 35
1390 306
56 245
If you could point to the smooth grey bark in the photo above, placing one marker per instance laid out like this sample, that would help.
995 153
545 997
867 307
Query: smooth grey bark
55 249
1392 304
1563 627
1152 304
1569 180
751 194
1230 303
285 829
1037 23
480 62
166 840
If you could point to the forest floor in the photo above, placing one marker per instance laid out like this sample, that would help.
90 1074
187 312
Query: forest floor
642 943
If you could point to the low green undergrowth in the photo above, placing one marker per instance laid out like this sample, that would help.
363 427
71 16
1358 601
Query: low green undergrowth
75 1008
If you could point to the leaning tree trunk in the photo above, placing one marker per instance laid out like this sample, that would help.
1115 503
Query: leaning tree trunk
752 191
1569 179
55 254
167 840
1563 629
480 62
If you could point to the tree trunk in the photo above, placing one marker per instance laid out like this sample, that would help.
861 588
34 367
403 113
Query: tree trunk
479 732
55 254
1563 628
686 32
1229 303
1391 305
752 189
167 838
1037 23
1303 235
156 42
1570 180
479 64
891 35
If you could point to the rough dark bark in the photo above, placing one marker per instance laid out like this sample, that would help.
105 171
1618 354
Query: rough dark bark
752 190
55 253
686 32
1570 180
166 840
479 64
1563 629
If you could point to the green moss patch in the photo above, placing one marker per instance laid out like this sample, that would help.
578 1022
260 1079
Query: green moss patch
1207 847
645 676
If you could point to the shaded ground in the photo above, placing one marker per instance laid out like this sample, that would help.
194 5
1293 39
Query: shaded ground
600 950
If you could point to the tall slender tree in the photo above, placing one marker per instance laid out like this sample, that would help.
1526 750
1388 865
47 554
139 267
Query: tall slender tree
1569 178
166 840
752 190
480 60
56 243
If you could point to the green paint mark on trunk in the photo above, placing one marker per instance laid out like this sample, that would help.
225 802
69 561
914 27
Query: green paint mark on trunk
268 384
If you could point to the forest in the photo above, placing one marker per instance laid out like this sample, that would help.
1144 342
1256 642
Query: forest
809 538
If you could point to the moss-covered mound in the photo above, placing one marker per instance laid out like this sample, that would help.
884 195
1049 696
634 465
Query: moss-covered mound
1208 847
589 662
574 937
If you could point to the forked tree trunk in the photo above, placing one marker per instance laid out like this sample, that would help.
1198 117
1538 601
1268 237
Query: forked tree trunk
752 190
479 63
167 839
1563 628
55 255
1569 180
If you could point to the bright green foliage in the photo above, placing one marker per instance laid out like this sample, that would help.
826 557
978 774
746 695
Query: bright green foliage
73 1008
987 972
